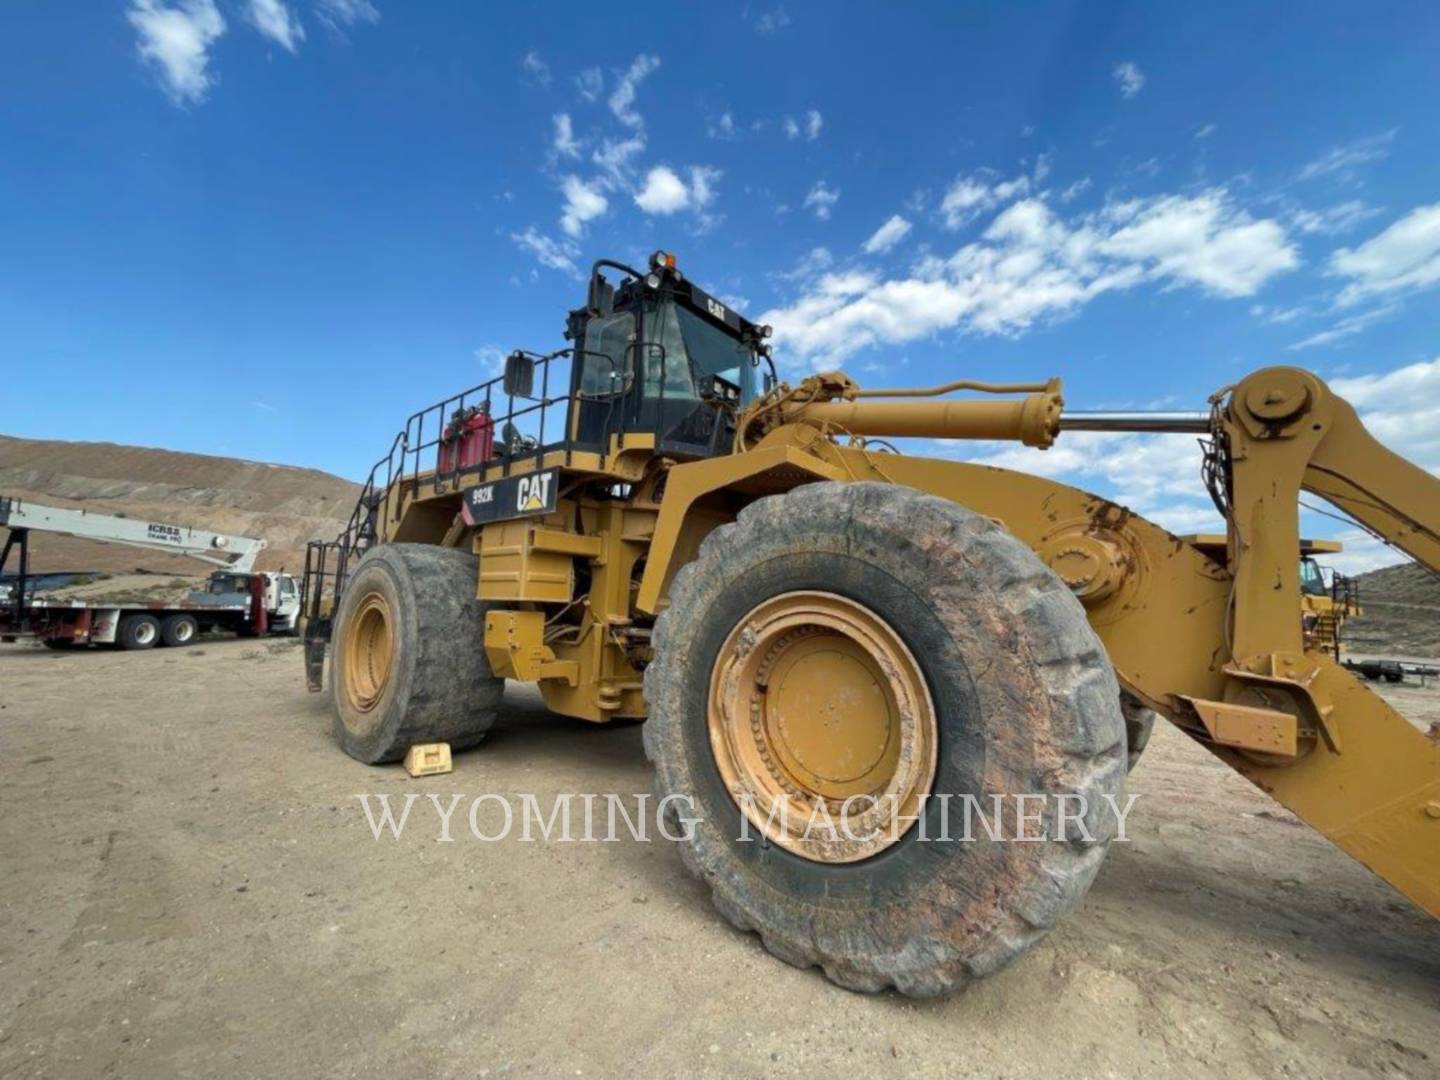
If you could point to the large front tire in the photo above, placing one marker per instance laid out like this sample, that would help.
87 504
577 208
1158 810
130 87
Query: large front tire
408 660
1024 702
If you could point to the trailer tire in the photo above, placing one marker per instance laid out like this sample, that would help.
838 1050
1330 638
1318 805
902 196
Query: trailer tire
137 631
407 663
1023 697
179 629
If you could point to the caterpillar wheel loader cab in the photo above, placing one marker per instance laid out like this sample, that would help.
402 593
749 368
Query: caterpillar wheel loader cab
841 651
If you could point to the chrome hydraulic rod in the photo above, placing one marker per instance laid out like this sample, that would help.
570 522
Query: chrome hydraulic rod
1196 423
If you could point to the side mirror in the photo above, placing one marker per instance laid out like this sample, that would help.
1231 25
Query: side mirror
601 300
519 378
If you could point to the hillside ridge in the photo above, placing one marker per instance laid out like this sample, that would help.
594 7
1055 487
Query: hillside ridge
287 505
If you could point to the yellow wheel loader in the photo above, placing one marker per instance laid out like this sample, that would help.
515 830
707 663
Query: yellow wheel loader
818 628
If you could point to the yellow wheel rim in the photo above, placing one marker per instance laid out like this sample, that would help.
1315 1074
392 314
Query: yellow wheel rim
369 651
822 726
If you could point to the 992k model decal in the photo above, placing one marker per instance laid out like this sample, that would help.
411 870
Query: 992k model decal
512 497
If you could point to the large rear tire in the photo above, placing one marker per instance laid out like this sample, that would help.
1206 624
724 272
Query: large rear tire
408 661
1021 697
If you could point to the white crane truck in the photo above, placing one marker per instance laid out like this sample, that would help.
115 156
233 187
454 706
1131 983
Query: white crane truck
74 608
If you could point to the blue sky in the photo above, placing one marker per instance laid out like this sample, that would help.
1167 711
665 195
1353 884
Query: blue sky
273 229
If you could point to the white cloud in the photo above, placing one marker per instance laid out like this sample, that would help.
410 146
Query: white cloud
887 236
337 14
1075 190
614 157
1206 130
583 202
535 67
1347 327
556 254
702 185
627 85
565 144
1030 264
665 193
277 22
1347 156
492 359
1404 257
1401 408
1333 220
771 21
1279 315
821 200
590 83
1129 78
970 196
177 40
723 128
807 127
1199 239
812 263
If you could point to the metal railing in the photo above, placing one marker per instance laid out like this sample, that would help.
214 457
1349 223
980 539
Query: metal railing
416 450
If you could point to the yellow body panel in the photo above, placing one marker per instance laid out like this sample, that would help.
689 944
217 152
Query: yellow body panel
1206 635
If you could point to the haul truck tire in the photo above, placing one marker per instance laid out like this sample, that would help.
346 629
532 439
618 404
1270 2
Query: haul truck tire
844 639
408 660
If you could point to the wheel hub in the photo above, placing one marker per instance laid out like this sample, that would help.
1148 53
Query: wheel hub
369 650
822 726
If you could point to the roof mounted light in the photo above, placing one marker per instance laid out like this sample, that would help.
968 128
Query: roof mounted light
662 260
653 280
766 331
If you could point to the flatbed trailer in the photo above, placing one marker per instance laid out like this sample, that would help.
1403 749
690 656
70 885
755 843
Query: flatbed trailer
140 622
71 608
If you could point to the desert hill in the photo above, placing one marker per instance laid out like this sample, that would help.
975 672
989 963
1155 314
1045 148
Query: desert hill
1401 613
285 505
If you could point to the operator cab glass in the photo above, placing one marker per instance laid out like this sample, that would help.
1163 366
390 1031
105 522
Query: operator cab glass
1312 580
661 357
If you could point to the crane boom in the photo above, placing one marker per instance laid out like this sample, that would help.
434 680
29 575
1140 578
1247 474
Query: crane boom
236 553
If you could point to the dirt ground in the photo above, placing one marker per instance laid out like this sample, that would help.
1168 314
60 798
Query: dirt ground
190 888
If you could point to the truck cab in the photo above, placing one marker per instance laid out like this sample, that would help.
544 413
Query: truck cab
277 592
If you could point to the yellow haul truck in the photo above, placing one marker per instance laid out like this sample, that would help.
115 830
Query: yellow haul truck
811 622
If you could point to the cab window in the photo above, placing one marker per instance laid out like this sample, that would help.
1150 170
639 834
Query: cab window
1312 581
667 370
608 355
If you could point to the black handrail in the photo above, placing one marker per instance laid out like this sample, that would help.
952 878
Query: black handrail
404 461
